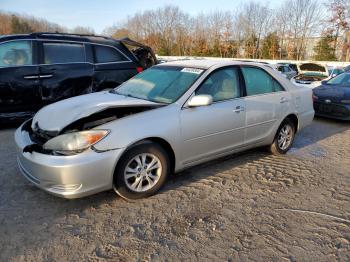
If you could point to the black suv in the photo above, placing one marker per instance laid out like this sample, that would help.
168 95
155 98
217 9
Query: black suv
41 68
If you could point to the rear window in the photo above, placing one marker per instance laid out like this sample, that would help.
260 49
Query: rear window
16 53
107 54
63 53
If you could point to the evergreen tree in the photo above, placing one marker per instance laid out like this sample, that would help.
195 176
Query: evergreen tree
324 51
270 48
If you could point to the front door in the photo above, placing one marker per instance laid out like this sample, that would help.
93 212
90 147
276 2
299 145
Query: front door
209 131
19 78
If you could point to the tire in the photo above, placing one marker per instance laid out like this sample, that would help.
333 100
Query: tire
136 176
276 147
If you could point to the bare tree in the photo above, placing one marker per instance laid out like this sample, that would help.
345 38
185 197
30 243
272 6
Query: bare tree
304 20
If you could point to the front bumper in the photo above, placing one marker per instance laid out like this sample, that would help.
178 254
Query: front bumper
332 110
67 176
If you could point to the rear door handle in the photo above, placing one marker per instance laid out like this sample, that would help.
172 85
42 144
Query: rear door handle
283 100
46 76
238 109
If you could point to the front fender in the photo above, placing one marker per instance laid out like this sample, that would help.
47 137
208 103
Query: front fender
161 122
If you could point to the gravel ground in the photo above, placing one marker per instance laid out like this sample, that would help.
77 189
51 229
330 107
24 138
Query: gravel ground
249 206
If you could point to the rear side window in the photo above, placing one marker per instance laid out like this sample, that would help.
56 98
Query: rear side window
106 54
16 53
63 53
257 81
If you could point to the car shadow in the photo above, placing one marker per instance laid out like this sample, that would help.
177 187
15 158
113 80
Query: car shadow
320 129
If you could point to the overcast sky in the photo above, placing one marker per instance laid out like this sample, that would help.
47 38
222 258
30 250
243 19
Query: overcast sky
101 14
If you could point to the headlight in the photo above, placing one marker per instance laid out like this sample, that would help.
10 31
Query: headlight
347 101
75 142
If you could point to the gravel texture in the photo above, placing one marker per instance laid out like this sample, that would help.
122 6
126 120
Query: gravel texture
249 206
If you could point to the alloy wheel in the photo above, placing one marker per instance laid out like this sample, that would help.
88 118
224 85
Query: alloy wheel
142 172
285 137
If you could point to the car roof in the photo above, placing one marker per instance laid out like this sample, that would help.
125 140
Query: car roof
207 63
63 37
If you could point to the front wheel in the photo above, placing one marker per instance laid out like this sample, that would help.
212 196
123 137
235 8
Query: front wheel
141 171
284 138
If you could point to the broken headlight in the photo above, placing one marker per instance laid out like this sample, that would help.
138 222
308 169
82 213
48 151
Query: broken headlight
75 142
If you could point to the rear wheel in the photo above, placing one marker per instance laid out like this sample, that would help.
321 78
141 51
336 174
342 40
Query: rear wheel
284 138
141 171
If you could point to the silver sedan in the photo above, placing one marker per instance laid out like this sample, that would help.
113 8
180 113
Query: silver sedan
170 117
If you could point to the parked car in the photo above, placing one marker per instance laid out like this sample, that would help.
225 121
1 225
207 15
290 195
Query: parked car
41 68
168 118
286 70
332 98
292 66
310 75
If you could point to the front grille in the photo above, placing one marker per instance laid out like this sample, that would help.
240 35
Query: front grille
37 135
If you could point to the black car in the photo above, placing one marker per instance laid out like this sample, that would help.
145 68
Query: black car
40 68
332 98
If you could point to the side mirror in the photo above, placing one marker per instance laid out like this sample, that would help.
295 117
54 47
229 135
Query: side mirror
324 82
200 100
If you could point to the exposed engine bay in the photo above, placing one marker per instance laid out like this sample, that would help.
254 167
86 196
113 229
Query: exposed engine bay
40 137
310 78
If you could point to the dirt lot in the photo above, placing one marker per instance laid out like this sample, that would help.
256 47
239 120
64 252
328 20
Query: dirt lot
250 206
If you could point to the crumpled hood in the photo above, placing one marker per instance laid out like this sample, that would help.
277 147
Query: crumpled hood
312 68
57 116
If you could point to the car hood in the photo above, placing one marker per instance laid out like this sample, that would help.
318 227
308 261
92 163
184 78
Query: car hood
334 93
55 117
312 68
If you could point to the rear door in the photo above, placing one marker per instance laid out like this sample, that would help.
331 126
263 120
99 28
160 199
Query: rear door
266 103
19 77
64 71
112 67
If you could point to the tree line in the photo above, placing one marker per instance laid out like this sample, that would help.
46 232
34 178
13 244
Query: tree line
253 31
23 24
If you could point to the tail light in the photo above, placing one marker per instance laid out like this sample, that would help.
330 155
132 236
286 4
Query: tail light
314 98
139 69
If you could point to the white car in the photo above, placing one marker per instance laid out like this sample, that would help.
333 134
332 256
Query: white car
310 75
170 117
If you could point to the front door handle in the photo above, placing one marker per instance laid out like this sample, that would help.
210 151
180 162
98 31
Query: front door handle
284 100
31 77
238 109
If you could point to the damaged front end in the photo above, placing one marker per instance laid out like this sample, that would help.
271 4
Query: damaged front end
78 135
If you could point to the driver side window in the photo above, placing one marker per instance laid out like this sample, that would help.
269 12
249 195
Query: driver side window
223 84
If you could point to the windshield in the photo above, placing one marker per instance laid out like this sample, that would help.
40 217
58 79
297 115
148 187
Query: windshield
163 84
341 80
335 71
